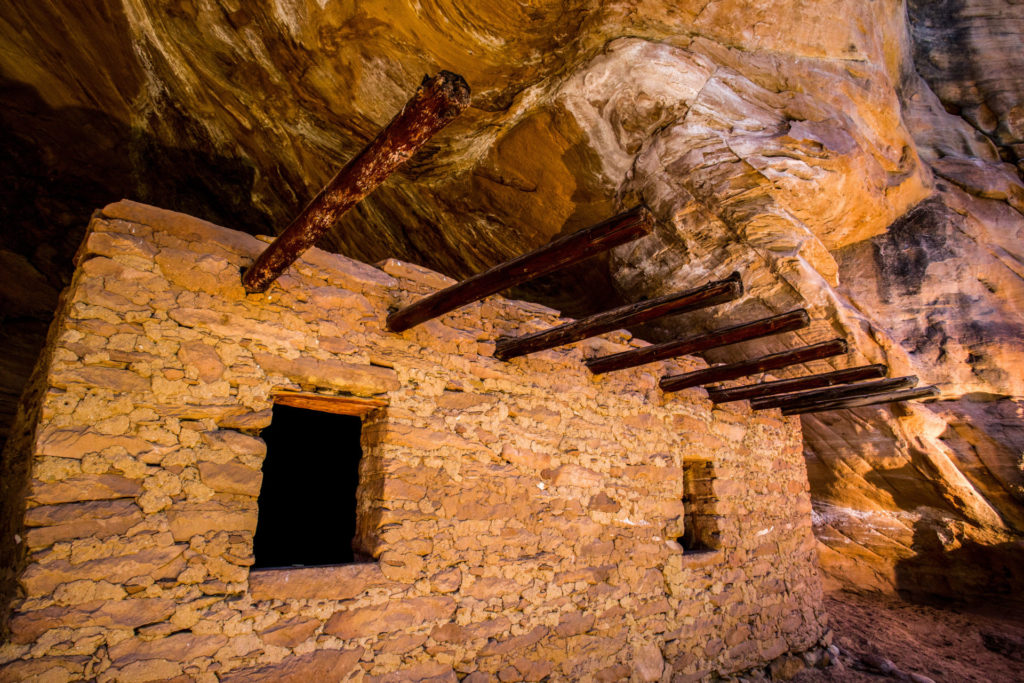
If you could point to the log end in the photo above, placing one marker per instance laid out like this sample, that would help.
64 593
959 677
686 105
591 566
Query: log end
451 88
396 322
502 350
645 217
670 383
253 284
738 279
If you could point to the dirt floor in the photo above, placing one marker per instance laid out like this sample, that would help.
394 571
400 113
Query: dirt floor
881 638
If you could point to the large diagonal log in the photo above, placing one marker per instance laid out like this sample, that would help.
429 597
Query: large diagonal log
787 401
773 361
786 386
787 322
877 399
707 295
435 104
571 248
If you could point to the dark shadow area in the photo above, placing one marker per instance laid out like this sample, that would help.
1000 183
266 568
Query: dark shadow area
909 488
973 574
913 241
307 504
577 290
57 166
890 639
701 531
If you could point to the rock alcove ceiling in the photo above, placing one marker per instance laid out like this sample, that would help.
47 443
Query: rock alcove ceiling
860 159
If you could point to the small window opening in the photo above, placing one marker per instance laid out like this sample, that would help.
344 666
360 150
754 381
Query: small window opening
701 531
307 503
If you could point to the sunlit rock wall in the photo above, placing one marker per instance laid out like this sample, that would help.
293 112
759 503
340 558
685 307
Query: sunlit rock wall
859 159
522 517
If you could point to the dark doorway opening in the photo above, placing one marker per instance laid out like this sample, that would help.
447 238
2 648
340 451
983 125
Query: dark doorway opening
307 504
700 520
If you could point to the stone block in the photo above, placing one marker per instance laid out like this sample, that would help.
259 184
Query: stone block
41 578
341 582
84 487
446 581
360 380
290 632
574 623
451 633
231 478
403 643
427 672
515 644
112 379
203 359
232 325
81 441
235 443
200 272
320 665
162 670
66 668
186 227
651 474
117 614
786 668
68 521
526 457
117 245
180 647
340 271
410 271
395 616
648 662
572 475
532 670
401 566
400 489
236 419
612 674
426 439
491 587
197 519
602 502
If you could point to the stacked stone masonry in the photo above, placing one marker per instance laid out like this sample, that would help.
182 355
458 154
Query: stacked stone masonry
522 515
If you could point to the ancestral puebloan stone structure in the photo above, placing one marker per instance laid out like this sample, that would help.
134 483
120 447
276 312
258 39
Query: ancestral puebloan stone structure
512 520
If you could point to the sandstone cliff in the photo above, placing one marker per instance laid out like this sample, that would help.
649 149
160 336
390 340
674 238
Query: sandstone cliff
859 159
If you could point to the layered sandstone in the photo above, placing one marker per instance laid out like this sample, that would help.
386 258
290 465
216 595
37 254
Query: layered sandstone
522 517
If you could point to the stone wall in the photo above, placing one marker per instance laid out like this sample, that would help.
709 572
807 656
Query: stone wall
522 516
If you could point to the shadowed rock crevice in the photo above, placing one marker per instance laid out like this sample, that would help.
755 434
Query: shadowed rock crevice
56 167
968 52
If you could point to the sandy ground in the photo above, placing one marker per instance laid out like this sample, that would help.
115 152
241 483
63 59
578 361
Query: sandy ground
881 638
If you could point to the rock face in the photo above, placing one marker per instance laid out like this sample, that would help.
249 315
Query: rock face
859 159
519 520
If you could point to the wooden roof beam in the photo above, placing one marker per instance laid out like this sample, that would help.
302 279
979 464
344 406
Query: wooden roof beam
787 322
565 250
774 361
859 402
434 105
832 393
785 386
707 295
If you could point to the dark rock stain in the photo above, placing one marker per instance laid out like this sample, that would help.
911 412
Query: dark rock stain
915 240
